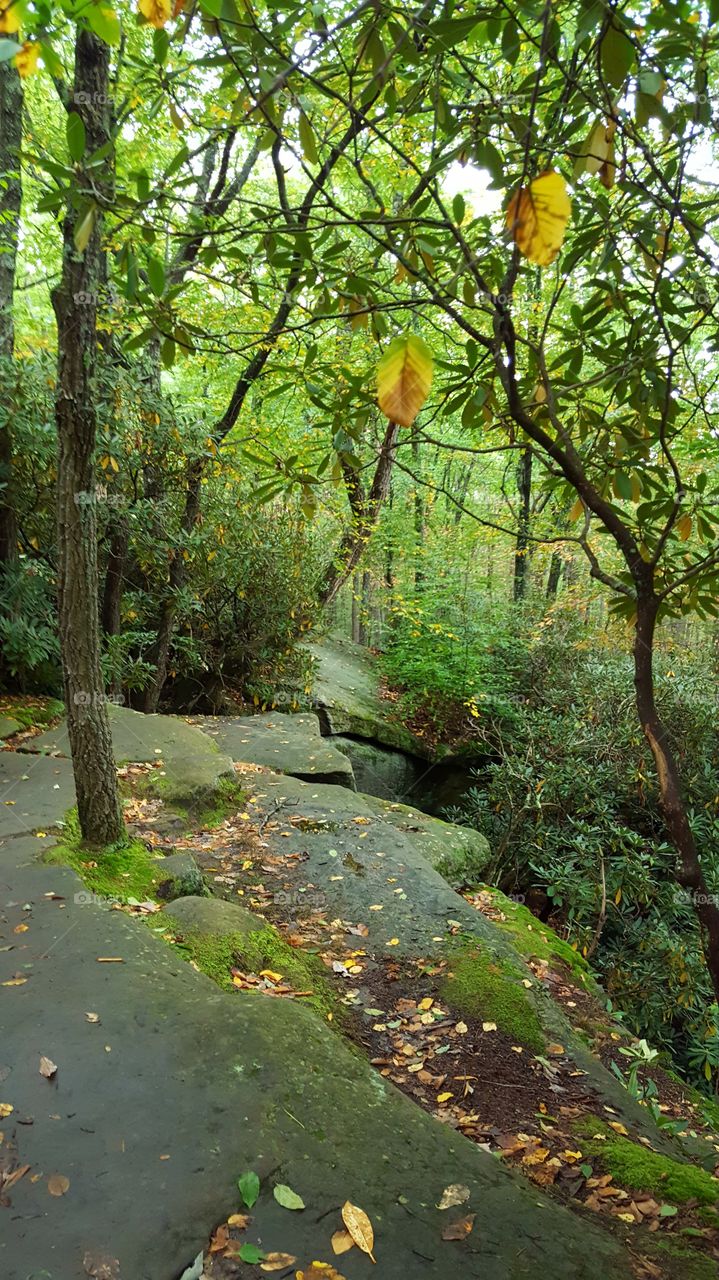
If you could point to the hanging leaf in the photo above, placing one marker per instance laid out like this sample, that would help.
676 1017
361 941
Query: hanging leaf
288 1198
84 228
404 377
307 140
359 1227
249 1185
76 141
537 217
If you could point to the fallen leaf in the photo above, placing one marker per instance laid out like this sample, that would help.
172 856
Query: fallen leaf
319 1271
341 1242
452 1195
92 1017
618 1128
359 1227
238 1220
461 1028
489 1026
556 1050
58 1184
460 1229
14 982
288 1198
277 1261
47 1068
249 1187
444 1097
101 1266
6 1109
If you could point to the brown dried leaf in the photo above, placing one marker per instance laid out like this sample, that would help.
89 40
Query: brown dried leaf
277 1261
460 1229
452 1195
341 1242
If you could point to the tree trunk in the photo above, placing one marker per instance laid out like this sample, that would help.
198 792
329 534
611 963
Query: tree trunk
419 529
521 553
355 591
10 200
178 573
689 871
364 612
75 303
110 616
365 520
555 573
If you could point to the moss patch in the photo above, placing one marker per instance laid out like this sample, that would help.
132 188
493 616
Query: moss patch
227 796
482 987
33 713
532 938
121 871
217 954
638 1169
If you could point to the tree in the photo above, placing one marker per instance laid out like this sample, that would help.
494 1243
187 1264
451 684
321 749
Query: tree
10 202
76 301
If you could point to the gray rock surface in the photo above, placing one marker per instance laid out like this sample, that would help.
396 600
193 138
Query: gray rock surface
285 743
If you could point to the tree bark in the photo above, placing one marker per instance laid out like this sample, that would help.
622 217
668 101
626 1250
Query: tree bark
555 573
365 517
689 872
75 303
10 201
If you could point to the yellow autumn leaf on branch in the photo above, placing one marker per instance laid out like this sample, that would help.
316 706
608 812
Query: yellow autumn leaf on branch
404 377
157 12
537 217
26 59
9 17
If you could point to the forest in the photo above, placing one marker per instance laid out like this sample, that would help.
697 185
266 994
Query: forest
361 369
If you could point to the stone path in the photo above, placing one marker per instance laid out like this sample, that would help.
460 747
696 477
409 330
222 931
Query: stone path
167 1089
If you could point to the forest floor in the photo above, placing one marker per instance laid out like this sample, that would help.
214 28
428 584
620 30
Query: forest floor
205 1083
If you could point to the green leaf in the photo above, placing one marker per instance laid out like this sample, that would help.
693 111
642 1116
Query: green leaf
76 140
307 139
160 45
8 49
249 1186
459 208
156 276
288 1198
250 1253
84 228
104 22
617 56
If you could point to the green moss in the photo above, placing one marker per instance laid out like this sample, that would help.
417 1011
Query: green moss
217 954
636 1168
226 798
121 871
683 1263
481 987
532 938
37 714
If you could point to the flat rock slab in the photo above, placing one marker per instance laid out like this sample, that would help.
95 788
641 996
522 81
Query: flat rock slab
346 687
172 1089
193 765
460 854
213 915
286 743
8 727
35 792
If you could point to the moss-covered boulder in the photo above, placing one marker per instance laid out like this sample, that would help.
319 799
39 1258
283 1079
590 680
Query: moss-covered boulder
179 876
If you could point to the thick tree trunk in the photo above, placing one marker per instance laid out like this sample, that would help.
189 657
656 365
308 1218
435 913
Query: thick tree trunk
75 303
521 552
689 872
10 200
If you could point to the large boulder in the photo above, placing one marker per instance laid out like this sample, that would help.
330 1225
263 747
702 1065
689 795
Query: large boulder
286 743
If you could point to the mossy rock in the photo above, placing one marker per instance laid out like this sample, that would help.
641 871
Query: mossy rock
479 985
636 1167
220 936
179 877
8 726
533 939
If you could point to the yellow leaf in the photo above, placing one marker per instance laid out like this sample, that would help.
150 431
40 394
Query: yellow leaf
537 217
58 1184
9 18
156 12
444 1097
489 1026
270 973
577 510
277 1261
618 1128
393 942
359 1227
26 59
618 897
404 377
6 1109
684 527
